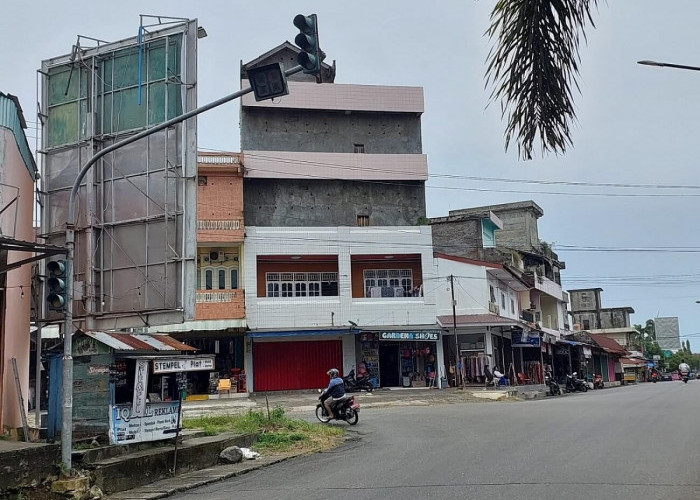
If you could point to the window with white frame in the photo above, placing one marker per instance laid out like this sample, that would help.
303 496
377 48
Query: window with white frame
217 278
301 284
389 283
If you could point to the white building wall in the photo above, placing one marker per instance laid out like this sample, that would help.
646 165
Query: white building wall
509 294
314 312
471 290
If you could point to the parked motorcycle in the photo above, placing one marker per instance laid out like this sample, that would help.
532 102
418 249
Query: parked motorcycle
554 388
344 409
573 384
353 384
598 382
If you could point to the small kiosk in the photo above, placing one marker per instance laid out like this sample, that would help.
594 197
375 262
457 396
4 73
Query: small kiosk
126 386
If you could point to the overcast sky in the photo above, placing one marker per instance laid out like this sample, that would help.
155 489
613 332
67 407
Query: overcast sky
636 124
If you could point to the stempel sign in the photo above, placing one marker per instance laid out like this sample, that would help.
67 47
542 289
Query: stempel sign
188 364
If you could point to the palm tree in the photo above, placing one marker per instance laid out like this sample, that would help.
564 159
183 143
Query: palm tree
532 67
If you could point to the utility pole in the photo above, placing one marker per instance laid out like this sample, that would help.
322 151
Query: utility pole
454 326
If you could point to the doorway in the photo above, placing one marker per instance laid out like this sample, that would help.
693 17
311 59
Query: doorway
389 365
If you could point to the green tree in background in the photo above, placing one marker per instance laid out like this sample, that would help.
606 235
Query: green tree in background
647 336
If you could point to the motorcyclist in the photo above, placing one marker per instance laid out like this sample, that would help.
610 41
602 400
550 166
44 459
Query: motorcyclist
683 367
335 390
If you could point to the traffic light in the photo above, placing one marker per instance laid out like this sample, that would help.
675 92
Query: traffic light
268 81
311 55
56 284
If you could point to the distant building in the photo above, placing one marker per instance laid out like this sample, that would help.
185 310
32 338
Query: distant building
668 333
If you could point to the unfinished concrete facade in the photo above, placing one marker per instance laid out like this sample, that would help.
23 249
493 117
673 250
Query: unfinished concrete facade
332 154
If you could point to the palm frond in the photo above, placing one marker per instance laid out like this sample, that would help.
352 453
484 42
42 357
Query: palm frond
532 67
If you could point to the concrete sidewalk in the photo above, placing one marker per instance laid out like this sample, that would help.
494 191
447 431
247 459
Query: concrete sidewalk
304 401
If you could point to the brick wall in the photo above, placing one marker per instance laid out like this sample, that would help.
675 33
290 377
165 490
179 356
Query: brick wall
220 204
230 304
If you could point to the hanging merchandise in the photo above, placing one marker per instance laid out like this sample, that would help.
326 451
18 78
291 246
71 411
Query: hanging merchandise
533 371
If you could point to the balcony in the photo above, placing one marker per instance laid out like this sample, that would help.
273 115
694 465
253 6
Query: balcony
551 288
220 304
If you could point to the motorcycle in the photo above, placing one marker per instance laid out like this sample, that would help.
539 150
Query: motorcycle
684 377
344 408
598 382
574 384
654 377
353 384
554 388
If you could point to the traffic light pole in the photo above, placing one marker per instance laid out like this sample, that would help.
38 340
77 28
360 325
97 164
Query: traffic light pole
67 424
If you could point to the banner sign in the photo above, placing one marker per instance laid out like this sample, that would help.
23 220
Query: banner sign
138 408
187 364
430 336
521 339
158 422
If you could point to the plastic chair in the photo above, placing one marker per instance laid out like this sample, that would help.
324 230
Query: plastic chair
522 379
224 385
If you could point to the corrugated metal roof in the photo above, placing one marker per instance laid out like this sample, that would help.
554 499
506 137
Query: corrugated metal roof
607 343
11 117
139 342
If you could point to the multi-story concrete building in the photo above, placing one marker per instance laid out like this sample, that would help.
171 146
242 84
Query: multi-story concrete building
338 269
220 323
523 285
588 314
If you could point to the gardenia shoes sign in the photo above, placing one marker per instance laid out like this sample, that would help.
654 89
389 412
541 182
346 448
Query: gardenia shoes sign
409 336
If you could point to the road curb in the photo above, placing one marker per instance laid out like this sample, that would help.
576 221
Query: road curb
198 478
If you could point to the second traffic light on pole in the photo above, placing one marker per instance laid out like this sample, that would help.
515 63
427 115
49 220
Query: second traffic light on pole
56 285
311 55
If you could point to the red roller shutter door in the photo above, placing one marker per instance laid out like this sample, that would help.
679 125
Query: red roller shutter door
286 366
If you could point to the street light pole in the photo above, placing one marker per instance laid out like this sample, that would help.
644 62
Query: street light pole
668 65
67 396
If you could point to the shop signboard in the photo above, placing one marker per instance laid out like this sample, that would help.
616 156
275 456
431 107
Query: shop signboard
521 339
411 336
158 422
183 364
587 352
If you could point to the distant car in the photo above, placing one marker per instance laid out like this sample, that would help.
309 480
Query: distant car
697 375
691 375
665 376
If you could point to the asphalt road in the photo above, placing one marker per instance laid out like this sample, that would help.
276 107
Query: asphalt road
625 443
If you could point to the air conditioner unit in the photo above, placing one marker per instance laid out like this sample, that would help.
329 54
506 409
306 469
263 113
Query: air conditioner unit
216 256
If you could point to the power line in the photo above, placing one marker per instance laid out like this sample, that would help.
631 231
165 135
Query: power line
478 178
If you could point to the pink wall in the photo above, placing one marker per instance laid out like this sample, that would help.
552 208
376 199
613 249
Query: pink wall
611 368
17 311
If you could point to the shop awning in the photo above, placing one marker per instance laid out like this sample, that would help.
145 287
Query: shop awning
302 333
464 320
633 363
568 342
139 342
608 344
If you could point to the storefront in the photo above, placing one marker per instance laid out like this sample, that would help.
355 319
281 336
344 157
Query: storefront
400 358
530 346
229 357
297 359
125 385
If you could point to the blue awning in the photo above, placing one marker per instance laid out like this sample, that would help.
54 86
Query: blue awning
570 342
302 333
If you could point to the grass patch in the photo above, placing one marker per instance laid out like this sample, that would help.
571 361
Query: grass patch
279 433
